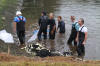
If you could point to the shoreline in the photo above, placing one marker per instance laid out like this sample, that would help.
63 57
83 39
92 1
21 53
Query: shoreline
6 60
9 21
9 14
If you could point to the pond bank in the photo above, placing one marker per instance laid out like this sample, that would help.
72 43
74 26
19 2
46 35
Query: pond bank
8 60
7 12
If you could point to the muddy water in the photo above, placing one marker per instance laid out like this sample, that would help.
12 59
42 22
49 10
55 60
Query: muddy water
87 9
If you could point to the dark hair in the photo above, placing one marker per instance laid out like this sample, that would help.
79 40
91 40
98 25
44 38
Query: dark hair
44 13
60 17
82 20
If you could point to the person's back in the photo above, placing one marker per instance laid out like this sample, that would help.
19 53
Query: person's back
75 27
20 21
19 27
62 27
43 22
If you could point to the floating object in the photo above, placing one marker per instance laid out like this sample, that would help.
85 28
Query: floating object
6 37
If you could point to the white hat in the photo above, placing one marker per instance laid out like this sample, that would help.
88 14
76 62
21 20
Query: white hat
18 13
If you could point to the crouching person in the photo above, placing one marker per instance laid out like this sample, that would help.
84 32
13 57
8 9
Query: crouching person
81 38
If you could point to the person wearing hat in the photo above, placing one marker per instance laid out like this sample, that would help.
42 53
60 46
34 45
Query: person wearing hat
43 23
81 38
19 27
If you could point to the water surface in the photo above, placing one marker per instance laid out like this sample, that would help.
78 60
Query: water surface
87 9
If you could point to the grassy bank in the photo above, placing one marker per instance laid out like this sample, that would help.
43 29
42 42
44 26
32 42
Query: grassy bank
8 60
6 7
45 64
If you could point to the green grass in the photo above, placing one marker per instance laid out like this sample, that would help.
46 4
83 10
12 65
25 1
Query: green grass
2 5
1 8
5 5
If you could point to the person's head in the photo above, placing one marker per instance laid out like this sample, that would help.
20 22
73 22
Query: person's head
81 21
51 15
72 18
18 13
59 18
43 13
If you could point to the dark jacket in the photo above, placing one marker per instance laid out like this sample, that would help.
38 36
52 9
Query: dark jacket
61 27
43 22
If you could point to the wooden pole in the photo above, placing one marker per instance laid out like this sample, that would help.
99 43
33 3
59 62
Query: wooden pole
8 49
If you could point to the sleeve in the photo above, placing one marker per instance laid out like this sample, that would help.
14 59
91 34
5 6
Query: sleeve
39 21
15 19
58 24
24 19
85 29
48 22
77 27
54 22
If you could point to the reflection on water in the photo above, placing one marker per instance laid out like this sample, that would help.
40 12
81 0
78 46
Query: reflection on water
87 9
32 9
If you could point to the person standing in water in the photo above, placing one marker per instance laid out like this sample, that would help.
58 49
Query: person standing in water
61 25
19 27
73 35
43 23
81 38
52 29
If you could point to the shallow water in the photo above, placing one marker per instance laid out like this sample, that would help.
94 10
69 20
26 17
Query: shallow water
87 9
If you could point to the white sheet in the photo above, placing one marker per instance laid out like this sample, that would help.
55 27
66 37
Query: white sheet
6 37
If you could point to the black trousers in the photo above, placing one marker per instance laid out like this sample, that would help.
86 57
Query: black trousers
44 31
81 49
52 36
72 38
21 36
